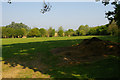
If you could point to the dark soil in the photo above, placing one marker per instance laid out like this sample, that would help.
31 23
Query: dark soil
87 51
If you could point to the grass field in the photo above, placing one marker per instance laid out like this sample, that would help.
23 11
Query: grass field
31 58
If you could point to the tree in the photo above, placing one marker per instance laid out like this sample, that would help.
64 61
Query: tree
18 33
114 15
34 32
60 31
24 32
17 26
98 30
93 31
43 32
70 32
51 32
11 32
4 32
102 30
113 28
7 32
82 30
66 33
82 33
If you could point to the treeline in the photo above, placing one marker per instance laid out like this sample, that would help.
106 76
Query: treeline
20 30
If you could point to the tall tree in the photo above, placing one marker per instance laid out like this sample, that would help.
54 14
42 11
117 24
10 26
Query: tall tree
83 30
24 32
4 32
51 32
70 32
34 32
92 31
114 15
60 31
113 28
43 32
8 32
17 25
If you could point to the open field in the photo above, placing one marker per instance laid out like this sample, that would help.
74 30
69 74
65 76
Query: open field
31 58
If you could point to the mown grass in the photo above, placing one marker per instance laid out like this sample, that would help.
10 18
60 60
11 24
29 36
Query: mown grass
34 56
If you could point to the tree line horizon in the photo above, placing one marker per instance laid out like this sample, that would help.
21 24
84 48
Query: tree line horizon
113 28
20 30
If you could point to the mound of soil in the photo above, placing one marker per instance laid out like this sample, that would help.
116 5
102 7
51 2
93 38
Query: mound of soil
88 50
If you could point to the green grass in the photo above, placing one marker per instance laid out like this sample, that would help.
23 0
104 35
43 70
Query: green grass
34 56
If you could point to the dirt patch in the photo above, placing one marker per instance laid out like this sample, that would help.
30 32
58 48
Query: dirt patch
88 50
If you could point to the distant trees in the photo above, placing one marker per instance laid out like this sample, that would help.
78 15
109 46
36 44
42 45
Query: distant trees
70 32
102 30
43 32
24 32
113 28
14 30
51 32
60 31
34 32
8 32
18 33
82 30
92 31
99 30
17 25
19 30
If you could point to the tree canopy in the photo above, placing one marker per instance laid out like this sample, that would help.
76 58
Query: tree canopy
60 31
17 25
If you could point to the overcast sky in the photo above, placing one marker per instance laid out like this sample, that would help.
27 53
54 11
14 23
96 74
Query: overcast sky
66 14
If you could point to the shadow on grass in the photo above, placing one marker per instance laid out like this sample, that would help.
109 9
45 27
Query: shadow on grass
37 56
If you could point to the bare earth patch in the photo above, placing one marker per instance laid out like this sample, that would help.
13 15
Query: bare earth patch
19 72
88 50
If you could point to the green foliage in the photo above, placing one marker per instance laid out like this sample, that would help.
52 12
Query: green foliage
11 32
60 31
102 30
18 33
7 32
17 25
114 15
82 30
24 32
66 33
92 31
99 30
15 31
71 32
3 32
113 28
43 32
34 32
51 32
